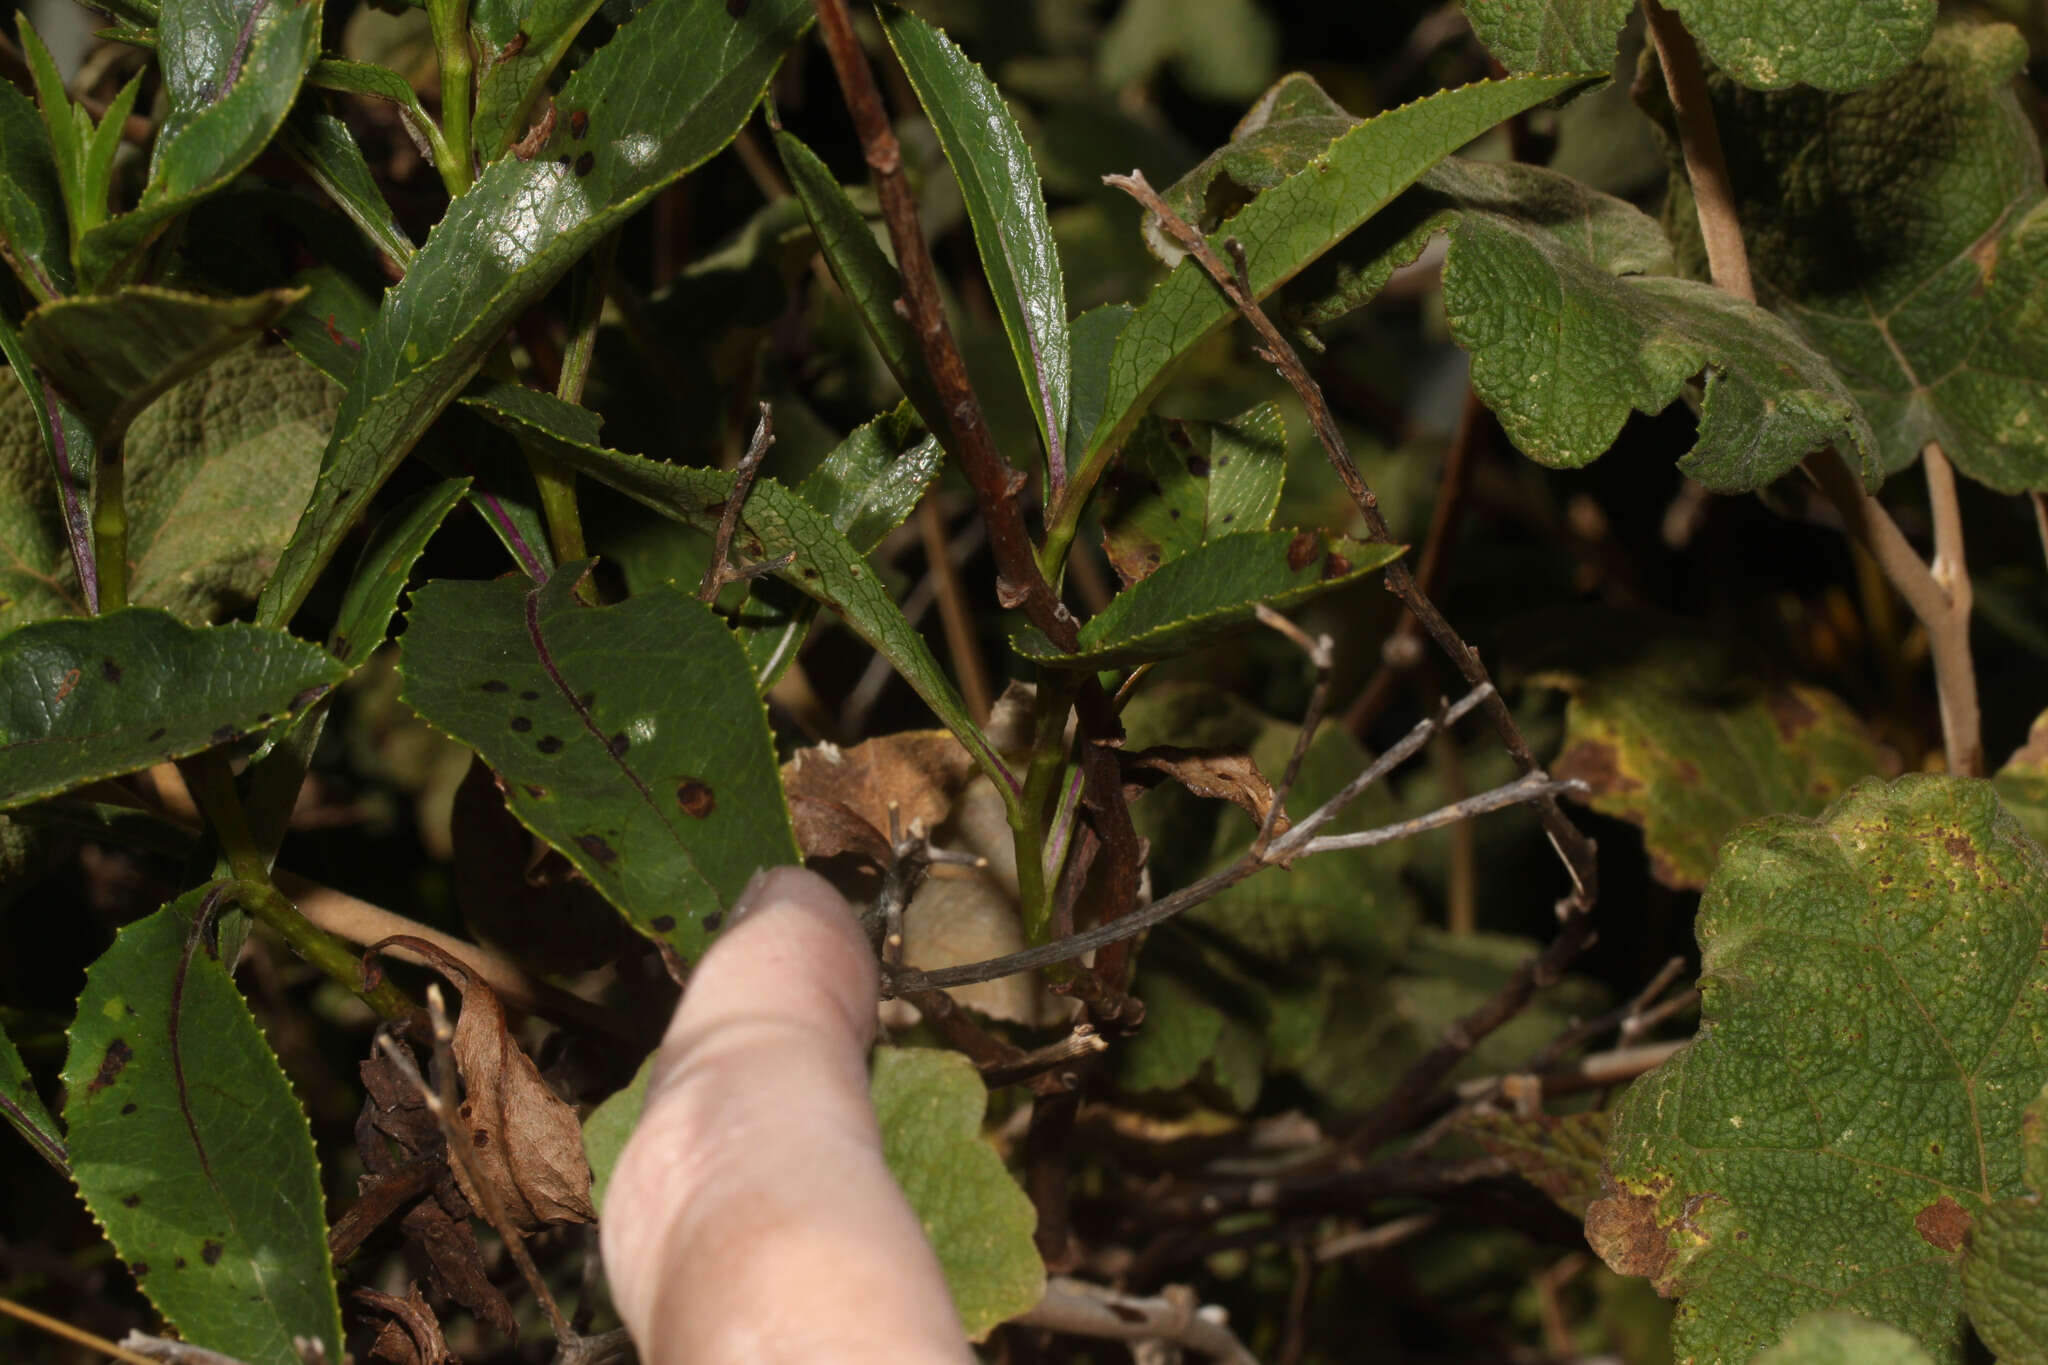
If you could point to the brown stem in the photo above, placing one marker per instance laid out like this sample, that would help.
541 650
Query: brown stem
719 571
1087 1310
1083 1042
996 484
1942 608
961 645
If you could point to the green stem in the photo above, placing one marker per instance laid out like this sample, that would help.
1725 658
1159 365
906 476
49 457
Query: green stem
110 525
593 282
1065 518
212 784
450 22
557 485
1031 815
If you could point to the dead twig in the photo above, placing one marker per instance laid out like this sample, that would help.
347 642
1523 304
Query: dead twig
1083 1042
57 1327
1081 1309
720 571
961 645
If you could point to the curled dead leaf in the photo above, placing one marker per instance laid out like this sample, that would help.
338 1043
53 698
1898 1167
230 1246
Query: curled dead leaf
524 1141
839 798
1218 774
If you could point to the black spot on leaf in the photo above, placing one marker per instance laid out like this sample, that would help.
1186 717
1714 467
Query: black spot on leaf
156 734
130 1201
537 793
596 847
549 745
119 1054
497 685
1198 466
587 700
528 694
222 735
737 8
138 1268
479 1138
584 164
663 923
696 798
618 744
129 1108
178 1264
521 724
713 920
210 1250
110 670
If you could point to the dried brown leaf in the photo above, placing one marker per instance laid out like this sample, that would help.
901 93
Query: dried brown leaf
840 798
1218 774
410 1335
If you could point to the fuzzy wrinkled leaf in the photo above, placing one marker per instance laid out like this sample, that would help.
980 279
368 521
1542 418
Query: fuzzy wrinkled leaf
191 1150
231 71
115 354
1178 485
1210 592
1874 1023
2005 1267
630 737
1286 228
1676 739
929 1105
999 184
2023 782
1903 231
774 522
1556 35
669 90
1835 1338
82 700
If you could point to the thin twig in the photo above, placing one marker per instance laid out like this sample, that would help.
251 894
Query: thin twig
719 571
1534 787
164 1351
1943 613
1090 1310
961 645
1590 1072
57 1327
439 1098
1573 847
1322 658
1376 1238
1084 1041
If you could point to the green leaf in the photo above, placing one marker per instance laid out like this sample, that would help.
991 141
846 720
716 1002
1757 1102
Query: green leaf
231 72
929 1104
656 101
609 1125
1224 49
1558 35
666 810
46 465
999 184
191 1150
70 129
386 564
115 354
1179 485
1186 1038
2023 782
1914 254
523 42
1211 592
1560 1154
1290 225
863 270
24 1111
1832 1338
34 235
323 145
2005 1266
775 521
865 487
1675 737
1092 342
85 700
1875 1000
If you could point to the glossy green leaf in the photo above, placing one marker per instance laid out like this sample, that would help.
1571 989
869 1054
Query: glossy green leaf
1675 737
115 354
82 700
2005 1265
70 129
322 144
1092 342
863 270
24 1110
2023 782
1290 225
34 236
191 1150
630 737
1914 255
46 463
1210 592
382 83
386 564
865 487
999 183
1874 1022
609 1125
654 102
1835 1338
1833 44
231 72
522 41
929 1104
1178 485
775 521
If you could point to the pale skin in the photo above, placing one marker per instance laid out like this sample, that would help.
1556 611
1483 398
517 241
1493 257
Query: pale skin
751 1218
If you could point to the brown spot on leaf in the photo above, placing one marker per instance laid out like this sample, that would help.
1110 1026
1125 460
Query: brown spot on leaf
596 847
618 744
1961 849
521 724
1301 550
1596 764
138 1268
1943 1224
1198 466
663 923
210 1250
1624 1230
579 123
1335 565
130 1201
119 1054
129 1108
584 164
537 793
696 798
495 685
1790 713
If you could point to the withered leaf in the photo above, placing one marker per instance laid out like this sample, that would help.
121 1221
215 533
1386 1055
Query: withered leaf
840 798
410 1334
525 1143
1218 774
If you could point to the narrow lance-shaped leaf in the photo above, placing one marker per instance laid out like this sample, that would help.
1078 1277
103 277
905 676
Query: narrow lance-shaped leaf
323 145
24 1110
863 270
1210 592
520 44
775 522
85 700
190 1148
46 462
1875 1008
670 89
999 184
232 70
115 354
630 737
34 236
1290 225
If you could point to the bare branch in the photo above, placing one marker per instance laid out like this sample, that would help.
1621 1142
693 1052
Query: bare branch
719 571
57 1327
1089 1310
